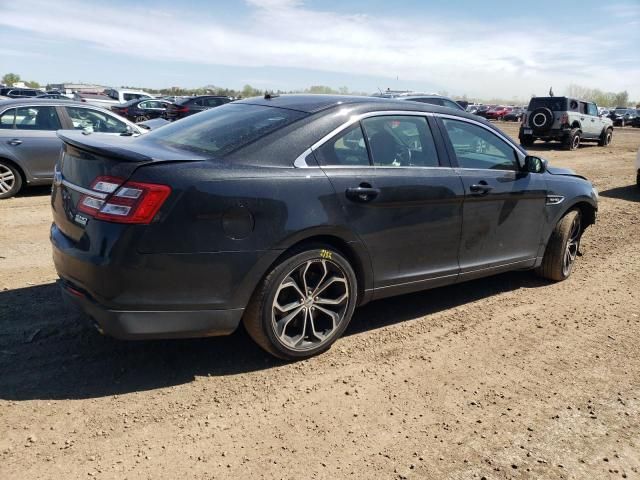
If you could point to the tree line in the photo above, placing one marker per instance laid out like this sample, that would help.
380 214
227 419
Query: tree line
602 98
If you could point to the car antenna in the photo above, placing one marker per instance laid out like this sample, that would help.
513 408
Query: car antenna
269 96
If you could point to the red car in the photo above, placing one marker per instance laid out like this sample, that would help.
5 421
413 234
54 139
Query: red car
498 112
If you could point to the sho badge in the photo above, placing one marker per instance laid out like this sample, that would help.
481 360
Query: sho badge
81 219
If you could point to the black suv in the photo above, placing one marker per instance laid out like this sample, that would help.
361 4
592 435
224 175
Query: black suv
190 105
568 120
19 92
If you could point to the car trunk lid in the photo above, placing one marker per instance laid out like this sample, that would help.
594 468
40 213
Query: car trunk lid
95 166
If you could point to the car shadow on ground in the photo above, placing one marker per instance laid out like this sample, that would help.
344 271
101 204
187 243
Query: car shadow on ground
37 191
630 193
555 146
47 351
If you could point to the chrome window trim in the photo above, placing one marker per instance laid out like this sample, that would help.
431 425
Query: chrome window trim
85 191
300 161
519 153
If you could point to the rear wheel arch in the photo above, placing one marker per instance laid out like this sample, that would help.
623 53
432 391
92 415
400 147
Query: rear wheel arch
17 166
357 257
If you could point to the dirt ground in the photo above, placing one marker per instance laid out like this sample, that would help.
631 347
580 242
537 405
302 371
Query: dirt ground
507 377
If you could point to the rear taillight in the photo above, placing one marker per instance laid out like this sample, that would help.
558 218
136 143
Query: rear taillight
524 119
123 202
183 109
564 119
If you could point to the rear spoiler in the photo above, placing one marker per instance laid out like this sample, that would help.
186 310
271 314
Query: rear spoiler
103 145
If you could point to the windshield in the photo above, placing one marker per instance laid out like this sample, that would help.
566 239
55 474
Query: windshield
221 130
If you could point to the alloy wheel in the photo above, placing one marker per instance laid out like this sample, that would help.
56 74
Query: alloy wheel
573 245
7 179
310 304
575 143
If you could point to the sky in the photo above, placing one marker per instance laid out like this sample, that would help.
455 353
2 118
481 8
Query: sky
486 49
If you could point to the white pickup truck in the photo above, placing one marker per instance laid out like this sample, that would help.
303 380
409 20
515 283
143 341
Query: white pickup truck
112 96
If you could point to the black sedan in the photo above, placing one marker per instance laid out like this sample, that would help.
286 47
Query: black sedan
186 106
514 115
286 213
142 109
623 116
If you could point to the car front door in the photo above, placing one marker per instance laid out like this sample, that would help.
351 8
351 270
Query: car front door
83 118
504 206
401 197
593 120
32 139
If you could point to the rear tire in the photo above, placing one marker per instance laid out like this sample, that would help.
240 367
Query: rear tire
141 118
304 304
572 141
605 137
562 248
10 180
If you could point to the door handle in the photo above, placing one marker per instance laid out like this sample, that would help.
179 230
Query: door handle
14 141
480 188
363 193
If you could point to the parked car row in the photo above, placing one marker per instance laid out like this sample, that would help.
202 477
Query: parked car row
29 146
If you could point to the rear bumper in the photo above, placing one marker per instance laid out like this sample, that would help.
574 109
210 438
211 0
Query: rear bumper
138 325
553 133
135 296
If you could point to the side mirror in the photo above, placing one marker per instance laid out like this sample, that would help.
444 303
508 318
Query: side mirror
534 164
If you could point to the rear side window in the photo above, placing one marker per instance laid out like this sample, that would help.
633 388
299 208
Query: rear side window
37 118
432 101
7 118
220 131
348 148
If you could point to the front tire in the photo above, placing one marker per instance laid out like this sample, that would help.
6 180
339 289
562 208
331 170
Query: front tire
562 248
304 304
10 180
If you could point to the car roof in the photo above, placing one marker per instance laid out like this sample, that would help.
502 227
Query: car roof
43 101
317 103
313 103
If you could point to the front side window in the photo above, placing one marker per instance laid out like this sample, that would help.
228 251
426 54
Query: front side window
450 104
400 141
37 118
212 102
95 121
477 148
7 119
348 148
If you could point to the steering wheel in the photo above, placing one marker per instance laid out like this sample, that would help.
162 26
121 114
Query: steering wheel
403 154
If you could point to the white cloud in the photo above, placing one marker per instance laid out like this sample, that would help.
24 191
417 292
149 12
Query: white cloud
459 57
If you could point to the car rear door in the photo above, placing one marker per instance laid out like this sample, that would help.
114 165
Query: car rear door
504 206
32 140
400 196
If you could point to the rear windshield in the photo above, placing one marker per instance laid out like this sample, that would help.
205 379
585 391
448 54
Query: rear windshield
555 104
221 130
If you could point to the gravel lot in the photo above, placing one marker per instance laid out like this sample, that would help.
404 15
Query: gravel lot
507 377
